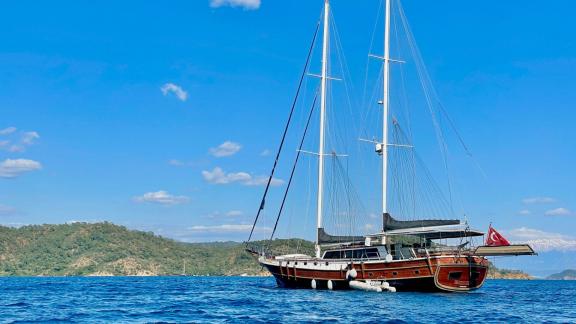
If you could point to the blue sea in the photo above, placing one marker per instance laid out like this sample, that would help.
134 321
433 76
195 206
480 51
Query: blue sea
257 300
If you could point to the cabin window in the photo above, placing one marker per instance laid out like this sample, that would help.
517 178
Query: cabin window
332 255
356 254
305 263
455 275
327 263
372 253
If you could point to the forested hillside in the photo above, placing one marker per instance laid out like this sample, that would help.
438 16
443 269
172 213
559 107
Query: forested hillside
107 249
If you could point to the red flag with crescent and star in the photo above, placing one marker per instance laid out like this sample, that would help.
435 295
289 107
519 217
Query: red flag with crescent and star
495 239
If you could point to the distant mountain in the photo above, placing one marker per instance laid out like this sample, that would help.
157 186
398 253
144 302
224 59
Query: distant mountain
543 265
557 244
105 249
564 275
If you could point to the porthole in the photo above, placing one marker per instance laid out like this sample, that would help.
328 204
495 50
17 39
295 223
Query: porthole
370 274
327 263
315 263
394 273
305 263
417 271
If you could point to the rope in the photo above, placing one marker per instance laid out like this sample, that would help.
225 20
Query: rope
294 167
263 201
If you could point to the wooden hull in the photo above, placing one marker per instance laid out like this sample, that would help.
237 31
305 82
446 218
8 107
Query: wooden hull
445 273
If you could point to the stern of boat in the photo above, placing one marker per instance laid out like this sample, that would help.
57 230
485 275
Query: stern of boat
466 274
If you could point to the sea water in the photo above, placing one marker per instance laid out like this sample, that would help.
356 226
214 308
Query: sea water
258 300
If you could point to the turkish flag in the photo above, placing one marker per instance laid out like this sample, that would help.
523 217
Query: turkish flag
495 239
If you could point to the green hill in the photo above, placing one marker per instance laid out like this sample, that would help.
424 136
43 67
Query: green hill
564 275
495 273
81 249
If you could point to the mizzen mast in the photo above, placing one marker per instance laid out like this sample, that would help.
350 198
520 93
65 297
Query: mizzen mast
323 91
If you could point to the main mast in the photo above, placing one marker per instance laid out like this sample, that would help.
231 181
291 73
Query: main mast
322 122
386 103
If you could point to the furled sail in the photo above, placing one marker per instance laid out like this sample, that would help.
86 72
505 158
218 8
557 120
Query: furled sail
391 224
325 238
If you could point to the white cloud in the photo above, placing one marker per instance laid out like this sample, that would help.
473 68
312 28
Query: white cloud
176 90
524 212
231 213
218 176
265 153
538 200
558 212
16 148
17 145
8 131
263 180
227 148
15 224
234 213
175 162
246 4
28 138
229 228
524 233
545 245
162 197
368 227
543 241
12 168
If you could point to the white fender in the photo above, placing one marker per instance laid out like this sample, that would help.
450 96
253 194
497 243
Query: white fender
330 285
385 285
351 274
313 283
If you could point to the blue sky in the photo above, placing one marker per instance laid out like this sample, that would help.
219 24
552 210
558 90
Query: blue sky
163 116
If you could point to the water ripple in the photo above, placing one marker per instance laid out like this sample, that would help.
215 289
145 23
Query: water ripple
257 300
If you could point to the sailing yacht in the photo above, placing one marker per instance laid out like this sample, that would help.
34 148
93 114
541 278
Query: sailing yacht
406 255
